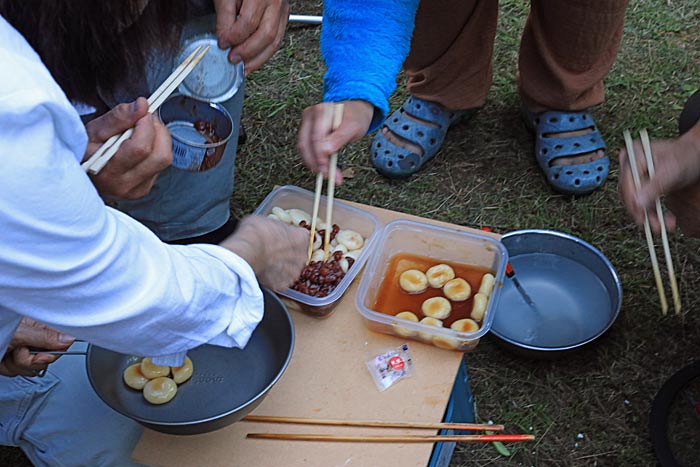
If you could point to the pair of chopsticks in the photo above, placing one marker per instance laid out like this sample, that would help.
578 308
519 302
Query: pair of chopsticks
646 146
337 118
110 147
381 438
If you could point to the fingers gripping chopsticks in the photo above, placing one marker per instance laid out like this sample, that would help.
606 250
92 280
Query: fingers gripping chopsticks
110 147
646 146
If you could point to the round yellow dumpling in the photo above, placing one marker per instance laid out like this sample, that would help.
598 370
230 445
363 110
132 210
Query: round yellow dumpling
437 307
184 372
402 331
465 325
151 371
445 343
430 322
488 282
439 274
160 390
457 290
134 378
413 281
479 306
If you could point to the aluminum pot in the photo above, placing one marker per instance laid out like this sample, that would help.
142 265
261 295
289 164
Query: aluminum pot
575 291
227 384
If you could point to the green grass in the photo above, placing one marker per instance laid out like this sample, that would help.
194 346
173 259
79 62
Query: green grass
486 175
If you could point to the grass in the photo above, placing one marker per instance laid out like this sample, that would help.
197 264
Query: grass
587 410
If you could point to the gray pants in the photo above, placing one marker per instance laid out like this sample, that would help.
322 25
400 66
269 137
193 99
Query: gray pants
58 420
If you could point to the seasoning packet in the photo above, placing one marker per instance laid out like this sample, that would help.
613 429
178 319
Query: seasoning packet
390 366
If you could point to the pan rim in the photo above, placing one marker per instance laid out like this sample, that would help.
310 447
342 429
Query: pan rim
261 394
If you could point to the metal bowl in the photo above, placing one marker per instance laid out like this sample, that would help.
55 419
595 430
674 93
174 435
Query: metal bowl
576 293
227 384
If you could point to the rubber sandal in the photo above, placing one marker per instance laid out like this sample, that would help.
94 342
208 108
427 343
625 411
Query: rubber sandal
576 179
393 161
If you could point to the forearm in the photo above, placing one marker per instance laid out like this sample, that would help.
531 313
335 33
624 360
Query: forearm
95 273
364 45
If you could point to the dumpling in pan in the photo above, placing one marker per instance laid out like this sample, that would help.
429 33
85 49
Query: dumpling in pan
134 378
160 390
151 371
184 372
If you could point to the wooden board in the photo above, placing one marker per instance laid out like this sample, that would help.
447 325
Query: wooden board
327 378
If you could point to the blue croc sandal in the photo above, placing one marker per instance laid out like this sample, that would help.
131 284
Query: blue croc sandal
576 179
393 161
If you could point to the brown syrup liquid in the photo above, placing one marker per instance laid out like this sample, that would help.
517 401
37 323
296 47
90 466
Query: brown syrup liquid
391 299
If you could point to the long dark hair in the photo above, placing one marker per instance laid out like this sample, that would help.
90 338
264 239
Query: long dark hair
87 44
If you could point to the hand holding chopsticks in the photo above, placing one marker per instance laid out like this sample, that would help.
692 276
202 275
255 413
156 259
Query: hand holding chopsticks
105 152
337 118
647 229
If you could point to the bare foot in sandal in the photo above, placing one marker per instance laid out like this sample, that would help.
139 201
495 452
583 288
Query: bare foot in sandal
570 150
411 136
582 158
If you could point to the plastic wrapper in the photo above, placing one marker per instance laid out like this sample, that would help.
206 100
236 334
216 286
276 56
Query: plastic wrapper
391 366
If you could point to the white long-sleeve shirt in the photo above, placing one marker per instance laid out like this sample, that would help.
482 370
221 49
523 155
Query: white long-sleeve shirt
71 262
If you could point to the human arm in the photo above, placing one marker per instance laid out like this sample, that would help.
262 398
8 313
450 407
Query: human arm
18 361
95 273
253 29
363 45
677 177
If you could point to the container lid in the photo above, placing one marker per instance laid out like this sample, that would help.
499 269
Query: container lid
214 79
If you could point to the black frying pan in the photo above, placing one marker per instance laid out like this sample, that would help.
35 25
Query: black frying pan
226 385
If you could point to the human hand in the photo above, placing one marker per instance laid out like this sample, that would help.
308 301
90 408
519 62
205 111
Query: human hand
19 362
133 170
276 251
677 167
253 29
316 142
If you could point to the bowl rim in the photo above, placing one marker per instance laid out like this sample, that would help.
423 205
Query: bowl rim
616 280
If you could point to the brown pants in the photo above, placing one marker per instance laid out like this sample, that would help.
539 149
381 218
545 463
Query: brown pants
567 48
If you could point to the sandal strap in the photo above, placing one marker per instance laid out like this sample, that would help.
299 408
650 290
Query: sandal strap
576 178
553 121
549 149
426 130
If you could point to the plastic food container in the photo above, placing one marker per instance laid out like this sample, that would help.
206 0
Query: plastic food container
443 245
346 217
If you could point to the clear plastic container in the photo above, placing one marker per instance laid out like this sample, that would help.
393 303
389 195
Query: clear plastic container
346 217
443 245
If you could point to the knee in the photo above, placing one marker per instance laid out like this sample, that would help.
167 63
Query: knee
690 114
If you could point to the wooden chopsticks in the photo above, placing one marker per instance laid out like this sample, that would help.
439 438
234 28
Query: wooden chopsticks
337 118
502 438
486 438
373 423
646 146
110 147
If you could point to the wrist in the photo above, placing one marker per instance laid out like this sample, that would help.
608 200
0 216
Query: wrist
245 249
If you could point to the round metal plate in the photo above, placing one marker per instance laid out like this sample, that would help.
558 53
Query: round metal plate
576 292
214 79
227 383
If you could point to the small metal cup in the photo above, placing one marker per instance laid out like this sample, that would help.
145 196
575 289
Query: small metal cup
191 149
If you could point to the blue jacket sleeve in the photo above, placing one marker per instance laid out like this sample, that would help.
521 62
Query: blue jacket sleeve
364 44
